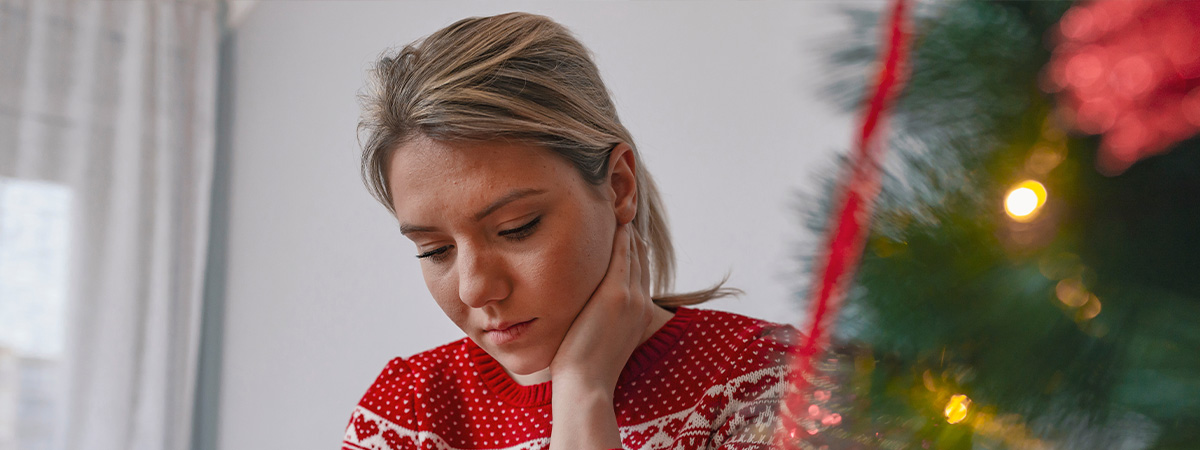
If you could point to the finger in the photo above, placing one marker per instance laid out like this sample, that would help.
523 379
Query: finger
617 274
636 274
644 263
630 255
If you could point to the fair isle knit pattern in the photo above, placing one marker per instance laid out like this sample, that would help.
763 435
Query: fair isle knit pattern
705 380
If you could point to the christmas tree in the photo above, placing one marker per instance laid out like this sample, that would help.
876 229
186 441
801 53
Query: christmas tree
1031 275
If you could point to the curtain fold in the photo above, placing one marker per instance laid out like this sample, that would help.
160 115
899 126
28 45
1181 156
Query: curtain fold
115 100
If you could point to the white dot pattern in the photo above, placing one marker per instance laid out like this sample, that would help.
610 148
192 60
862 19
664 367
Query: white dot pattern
707 379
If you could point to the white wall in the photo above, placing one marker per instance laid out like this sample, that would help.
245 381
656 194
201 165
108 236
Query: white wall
321 288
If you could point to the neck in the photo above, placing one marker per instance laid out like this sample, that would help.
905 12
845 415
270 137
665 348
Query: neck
658 318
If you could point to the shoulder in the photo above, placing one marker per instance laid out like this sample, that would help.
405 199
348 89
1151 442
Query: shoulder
739 332
737 366
739 345
399 385
440 361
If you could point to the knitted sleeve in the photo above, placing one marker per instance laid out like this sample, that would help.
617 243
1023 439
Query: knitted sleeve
751 393
384 416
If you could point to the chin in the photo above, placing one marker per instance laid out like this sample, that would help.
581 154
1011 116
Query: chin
521 363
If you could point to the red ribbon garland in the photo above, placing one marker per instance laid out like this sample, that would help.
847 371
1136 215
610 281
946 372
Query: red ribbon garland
848 229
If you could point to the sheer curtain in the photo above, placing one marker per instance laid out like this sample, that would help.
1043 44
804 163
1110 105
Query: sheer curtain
113 103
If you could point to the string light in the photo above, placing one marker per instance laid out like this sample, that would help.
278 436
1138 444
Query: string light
956 408
1024 200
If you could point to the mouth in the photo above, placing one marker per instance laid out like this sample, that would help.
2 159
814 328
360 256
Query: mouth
507 332
504 326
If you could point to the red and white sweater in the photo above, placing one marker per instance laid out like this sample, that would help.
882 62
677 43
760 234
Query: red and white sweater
705 380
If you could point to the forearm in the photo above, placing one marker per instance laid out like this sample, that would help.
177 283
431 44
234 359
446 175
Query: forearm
583 418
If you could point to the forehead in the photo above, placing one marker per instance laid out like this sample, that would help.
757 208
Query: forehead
426 175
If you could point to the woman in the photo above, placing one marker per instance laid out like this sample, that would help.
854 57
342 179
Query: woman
494 143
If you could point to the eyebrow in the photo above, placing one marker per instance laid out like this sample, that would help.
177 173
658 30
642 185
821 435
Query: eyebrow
512 196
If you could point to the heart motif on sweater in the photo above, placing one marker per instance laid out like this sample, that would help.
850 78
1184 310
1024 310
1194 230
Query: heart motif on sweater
638 439
365 428
673 426
393 440
751 390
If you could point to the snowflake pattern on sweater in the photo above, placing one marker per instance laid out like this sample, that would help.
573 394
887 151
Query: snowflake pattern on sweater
705 380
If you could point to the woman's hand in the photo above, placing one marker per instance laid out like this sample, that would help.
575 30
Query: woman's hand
611 324
597 346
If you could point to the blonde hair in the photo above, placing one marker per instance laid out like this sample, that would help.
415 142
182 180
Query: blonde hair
514 76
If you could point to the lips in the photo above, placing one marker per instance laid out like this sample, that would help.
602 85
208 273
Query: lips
506 332
504 325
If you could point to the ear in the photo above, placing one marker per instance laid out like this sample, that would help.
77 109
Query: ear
622 182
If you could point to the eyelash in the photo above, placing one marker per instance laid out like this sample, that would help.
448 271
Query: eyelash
523 231
436 254
515 235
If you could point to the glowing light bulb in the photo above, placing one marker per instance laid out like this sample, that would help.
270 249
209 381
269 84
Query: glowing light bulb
1021 202
1024 200
956 408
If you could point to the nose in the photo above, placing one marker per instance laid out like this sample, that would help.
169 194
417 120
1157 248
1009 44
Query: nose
482 277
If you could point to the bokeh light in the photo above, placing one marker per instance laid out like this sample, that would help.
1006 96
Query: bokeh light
957 407
1024 200
1091 309
1071 292
1126 70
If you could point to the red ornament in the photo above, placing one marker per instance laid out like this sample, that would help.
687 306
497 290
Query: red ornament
1129 71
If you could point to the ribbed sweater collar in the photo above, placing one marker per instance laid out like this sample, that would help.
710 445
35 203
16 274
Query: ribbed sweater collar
644 356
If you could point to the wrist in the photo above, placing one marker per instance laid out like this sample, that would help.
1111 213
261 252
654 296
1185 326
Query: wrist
580 394
584 417
574 384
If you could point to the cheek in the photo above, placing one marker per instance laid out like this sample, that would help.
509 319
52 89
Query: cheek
555 279
583 263
596 243
595 255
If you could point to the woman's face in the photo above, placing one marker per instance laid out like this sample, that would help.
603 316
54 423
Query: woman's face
507 234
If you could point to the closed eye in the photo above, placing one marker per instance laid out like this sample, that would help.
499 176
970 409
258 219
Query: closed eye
522 231
436 254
